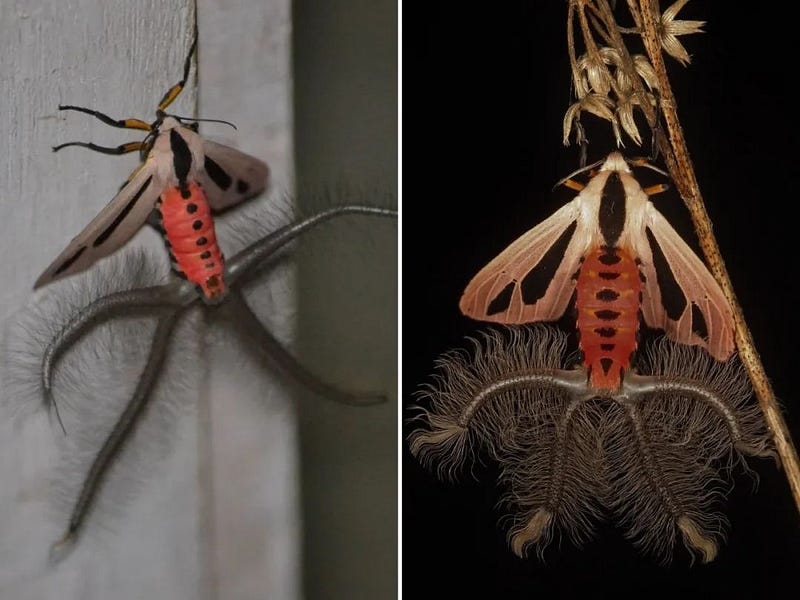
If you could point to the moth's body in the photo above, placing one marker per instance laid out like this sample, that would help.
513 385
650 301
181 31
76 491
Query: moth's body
612 251
607 303
180 170
182 211
608 286
188 228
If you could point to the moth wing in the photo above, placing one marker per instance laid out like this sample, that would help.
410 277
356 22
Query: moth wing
680 294
117 223
532 279
230 177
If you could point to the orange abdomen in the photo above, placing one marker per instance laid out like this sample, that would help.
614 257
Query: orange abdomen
608 300
189 233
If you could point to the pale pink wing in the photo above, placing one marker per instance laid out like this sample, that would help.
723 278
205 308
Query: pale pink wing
680 295
113 226
532 279
230 177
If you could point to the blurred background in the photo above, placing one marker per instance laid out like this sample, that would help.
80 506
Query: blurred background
345 102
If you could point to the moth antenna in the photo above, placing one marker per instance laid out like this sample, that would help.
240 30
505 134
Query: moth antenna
645 162
578 172
192 120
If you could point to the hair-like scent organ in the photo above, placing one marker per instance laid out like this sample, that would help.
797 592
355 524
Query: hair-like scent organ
117 352
653 457
93 383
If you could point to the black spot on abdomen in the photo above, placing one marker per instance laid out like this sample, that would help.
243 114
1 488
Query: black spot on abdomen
607 315
609 257
607 295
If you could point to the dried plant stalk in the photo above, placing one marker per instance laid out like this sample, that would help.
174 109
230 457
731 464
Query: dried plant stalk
612 83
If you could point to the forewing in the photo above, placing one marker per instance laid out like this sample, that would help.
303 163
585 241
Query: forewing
230 176
532 279
680 295
111 228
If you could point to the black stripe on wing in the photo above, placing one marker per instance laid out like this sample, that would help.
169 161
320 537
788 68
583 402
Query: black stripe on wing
106 233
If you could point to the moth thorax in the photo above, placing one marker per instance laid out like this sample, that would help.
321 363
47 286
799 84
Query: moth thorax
608 298
189 235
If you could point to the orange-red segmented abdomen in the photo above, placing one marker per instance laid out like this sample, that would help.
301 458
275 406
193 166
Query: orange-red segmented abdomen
608 299
189 233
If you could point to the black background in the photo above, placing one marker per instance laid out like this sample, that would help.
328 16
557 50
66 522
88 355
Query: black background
484 94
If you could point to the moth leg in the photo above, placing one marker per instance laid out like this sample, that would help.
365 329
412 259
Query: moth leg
255 254
237 312
116 151
120 123
656 189
173 294
573 185
176 89
119 434
636 385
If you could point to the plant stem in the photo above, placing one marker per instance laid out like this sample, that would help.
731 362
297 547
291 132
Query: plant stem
683 174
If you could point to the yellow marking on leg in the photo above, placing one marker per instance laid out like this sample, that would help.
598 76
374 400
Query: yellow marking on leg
170 96
137 124
656 189
574 185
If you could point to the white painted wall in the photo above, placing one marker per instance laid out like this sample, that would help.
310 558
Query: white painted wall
218 517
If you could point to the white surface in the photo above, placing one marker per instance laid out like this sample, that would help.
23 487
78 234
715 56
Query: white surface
245 77
188 532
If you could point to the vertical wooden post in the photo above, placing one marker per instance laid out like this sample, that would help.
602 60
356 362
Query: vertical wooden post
176 538
345 56
99 55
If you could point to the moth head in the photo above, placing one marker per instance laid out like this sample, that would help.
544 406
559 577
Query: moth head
166 122
616 162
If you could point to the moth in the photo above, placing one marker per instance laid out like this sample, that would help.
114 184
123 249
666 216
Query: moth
612 251
182 181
